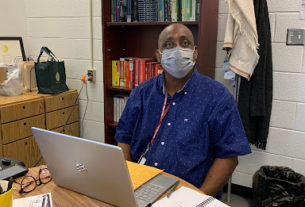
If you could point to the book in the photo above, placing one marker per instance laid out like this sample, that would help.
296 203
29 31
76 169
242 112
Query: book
126 73
179 10
197 9
128 10
161 10
122 72
188 4
188 197
193 10
123 10
174 10
115 74
131 72
183 10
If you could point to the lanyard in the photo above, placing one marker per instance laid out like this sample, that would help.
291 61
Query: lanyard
163 114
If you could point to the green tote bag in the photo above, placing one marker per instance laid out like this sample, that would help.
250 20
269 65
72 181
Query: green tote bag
50 75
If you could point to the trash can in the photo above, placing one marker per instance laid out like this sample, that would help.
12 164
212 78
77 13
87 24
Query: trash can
278 186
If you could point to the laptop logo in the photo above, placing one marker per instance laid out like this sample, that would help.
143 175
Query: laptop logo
81 168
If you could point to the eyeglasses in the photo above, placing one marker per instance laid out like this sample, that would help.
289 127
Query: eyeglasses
29 183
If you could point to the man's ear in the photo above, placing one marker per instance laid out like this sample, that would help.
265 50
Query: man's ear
158 55
195 55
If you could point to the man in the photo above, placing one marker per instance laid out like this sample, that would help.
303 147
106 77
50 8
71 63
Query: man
181 121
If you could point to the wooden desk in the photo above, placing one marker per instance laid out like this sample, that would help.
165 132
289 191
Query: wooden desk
65 198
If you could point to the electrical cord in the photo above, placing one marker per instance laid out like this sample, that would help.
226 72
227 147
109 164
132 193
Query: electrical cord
63 129
82 120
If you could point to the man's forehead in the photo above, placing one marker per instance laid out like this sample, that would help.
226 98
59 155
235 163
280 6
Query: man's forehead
175 31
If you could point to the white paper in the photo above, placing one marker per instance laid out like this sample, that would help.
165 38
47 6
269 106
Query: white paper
186 197
43 200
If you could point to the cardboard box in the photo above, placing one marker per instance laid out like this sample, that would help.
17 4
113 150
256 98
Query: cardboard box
2 74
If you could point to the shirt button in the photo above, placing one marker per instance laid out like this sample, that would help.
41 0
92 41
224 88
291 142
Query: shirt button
185 93
156 164
169 124
162 143
174 103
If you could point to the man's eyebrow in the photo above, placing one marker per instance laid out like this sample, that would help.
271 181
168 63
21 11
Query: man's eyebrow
184 37
168 39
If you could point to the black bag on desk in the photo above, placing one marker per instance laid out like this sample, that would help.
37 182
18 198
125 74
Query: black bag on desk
50 75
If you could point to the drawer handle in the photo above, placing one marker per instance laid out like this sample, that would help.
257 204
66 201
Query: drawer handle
62 98
63 113
23 107
64 130
24 123
26 143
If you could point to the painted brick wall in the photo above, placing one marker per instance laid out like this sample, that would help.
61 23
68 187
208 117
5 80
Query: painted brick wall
287 132
12 21
63 26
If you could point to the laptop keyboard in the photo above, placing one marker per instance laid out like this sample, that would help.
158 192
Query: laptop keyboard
153 189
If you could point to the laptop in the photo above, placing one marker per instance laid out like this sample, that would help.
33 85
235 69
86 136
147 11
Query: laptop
95 169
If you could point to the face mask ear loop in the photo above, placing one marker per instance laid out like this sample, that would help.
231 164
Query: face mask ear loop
160 52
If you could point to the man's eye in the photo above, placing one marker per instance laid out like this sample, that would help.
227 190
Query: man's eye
185 43
169 45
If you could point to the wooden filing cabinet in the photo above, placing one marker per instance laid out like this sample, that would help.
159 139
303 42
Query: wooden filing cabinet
60 108
18 114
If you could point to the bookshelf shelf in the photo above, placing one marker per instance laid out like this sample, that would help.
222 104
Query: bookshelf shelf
140 39
126 24
119 89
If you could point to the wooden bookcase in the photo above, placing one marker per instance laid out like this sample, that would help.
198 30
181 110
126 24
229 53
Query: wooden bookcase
139 39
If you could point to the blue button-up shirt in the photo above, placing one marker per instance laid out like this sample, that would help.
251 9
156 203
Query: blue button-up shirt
202 124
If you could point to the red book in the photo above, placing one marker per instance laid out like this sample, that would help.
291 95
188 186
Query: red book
158 69
126 72
142 76
149 70
136 72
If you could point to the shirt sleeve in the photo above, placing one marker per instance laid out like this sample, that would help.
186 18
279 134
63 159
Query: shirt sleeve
129 117
228 137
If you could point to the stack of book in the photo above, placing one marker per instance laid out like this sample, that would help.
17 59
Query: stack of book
119 103
130 72
155 10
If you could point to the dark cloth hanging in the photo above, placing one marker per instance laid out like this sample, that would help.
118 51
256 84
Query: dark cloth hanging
255 96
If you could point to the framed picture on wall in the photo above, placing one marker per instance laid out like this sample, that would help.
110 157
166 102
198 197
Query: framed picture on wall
11 50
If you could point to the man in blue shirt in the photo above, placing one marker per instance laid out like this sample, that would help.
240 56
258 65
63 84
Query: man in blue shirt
181 121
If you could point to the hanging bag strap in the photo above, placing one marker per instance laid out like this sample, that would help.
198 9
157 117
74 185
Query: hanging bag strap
48 52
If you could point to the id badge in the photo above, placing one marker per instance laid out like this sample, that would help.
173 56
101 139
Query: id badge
142 161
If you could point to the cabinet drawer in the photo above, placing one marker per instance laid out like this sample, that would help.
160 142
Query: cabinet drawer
58 118
21 110
21 129
62 100
71 129
25 150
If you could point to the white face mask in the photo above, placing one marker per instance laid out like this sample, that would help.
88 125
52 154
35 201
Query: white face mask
177 61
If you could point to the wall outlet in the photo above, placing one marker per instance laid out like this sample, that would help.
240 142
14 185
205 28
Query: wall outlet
295 37
91 75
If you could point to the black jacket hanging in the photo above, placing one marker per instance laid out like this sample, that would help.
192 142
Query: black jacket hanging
255 96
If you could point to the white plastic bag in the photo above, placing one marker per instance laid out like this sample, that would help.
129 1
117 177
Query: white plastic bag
12 86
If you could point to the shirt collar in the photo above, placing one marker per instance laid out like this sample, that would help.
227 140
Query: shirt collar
187 86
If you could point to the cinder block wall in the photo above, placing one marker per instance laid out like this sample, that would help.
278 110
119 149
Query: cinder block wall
63 26
287 132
